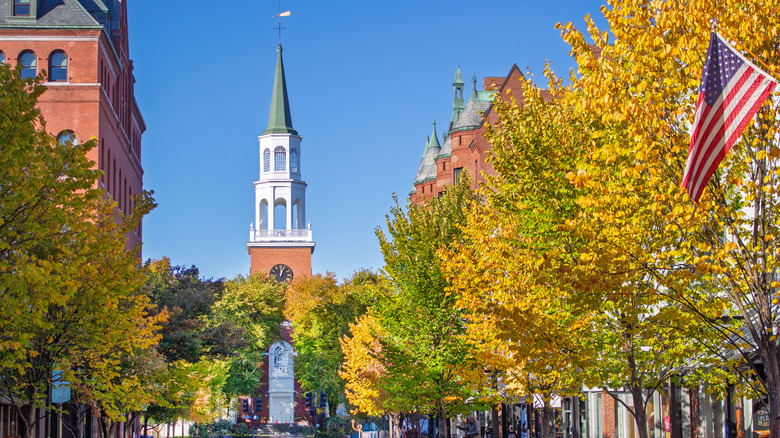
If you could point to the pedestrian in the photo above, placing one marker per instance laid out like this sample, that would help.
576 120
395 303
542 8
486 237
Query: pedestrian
511 433
471 428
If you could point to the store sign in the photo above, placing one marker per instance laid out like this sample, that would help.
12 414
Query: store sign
555 402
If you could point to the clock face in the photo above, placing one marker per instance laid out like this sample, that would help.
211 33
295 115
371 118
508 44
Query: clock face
281 272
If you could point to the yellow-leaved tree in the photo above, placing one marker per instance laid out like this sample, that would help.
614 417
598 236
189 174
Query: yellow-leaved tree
592 226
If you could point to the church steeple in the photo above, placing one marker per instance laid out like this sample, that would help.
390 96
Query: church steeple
280 120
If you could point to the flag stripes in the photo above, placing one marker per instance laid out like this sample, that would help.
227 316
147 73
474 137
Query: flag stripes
722 112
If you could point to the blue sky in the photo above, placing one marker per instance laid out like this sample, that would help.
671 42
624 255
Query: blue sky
365 81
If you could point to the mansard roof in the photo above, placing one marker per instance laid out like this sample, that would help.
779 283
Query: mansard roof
60 14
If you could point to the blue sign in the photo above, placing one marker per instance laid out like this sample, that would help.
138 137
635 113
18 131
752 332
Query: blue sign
60 389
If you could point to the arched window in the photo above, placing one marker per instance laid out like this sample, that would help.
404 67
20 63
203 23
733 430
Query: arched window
29 64
2 57
293 161
280 215
297 215
263 215
267 160
67 137
58 66
280 159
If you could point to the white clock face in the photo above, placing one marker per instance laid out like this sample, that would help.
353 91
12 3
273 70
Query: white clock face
281 272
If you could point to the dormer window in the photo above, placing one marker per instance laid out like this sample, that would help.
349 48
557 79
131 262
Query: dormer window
21 8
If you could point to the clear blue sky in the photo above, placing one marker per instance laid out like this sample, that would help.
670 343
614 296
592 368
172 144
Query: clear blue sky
365 80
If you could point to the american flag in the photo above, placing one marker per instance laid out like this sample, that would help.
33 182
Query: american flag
732 90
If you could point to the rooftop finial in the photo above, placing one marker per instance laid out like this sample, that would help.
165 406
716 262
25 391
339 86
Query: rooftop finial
279 26
434 140
474 95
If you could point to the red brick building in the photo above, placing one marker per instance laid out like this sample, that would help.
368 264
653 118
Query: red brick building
82 47
464 146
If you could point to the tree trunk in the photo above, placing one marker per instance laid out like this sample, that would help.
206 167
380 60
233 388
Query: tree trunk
444 430
494 421
548 421
640 415
81 419
693 393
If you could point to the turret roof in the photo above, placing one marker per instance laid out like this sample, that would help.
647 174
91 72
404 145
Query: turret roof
427 169
57 14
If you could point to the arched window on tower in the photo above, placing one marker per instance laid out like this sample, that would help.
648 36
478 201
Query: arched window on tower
29 64
2 57
263 215
58 66
280 159
280 214
267 160
293 161
297 215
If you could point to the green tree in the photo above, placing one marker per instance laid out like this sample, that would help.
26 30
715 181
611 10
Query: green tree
321 312
67 280
423 346
256 305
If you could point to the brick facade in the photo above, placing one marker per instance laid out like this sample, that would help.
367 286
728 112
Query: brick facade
262 259
97 99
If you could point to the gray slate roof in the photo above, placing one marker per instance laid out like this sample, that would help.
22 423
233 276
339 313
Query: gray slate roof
471 117
61 13
446 148
427 169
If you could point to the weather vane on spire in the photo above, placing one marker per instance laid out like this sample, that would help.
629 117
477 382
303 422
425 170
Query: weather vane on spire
279 16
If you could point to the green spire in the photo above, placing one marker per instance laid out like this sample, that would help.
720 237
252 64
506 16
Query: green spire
433 142
457 103
458 78
279 120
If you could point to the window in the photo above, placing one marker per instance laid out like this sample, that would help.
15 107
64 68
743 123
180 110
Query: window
267 160
293 161
21 8
67 137
263 215
280 215
2 57
58 66
455 174
280 159
29 65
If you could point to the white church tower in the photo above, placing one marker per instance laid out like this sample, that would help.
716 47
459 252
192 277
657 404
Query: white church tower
280 239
